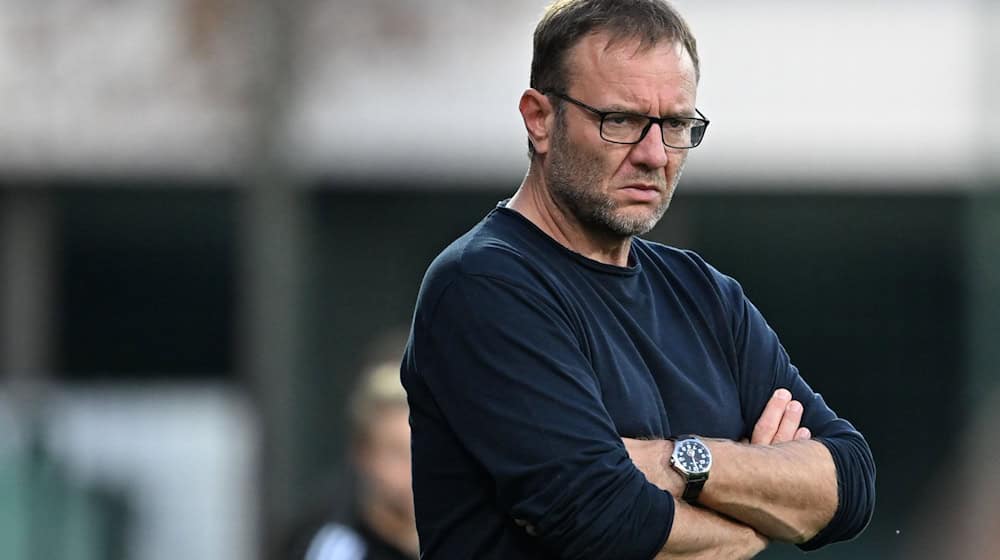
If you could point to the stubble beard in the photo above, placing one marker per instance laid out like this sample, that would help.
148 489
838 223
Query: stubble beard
574 179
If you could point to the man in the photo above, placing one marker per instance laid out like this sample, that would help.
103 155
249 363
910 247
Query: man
578 392
381 527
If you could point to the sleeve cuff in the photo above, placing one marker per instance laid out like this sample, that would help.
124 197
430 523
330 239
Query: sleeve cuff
848 521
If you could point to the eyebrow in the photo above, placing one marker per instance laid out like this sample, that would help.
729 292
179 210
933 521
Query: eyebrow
616 108
621 109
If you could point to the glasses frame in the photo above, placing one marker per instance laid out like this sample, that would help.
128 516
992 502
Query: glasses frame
649 124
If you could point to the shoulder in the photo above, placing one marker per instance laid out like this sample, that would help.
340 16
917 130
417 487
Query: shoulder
499 248
686 267
502 240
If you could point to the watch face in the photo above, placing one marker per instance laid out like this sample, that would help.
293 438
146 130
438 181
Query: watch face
692 456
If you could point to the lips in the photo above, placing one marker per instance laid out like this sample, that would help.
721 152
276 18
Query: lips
641 193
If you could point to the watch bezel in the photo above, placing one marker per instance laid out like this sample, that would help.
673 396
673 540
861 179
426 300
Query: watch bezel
677 463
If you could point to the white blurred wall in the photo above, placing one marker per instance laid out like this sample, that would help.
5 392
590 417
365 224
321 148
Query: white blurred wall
184 458
800 93
139 87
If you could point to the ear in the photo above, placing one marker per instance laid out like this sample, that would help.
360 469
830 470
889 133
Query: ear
539 119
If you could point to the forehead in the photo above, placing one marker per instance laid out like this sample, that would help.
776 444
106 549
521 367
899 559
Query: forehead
659 77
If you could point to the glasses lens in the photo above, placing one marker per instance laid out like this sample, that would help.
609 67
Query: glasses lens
623 127
683 133
697 133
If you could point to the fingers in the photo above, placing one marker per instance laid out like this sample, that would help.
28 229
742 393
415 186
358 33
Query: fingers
767 425
780 421
789 423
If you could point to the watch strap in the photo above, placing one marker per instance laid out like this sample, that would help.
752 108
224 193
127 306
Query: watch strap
692 488
693 483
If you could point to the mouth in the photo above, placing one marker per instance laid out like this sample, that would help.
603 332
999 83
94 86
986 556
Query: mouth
641 192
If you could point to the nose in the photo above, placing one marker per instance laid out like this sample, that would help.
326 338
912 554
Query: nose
650 151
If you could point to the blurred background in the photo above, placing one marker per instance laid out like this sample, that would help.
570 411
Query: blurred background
210 210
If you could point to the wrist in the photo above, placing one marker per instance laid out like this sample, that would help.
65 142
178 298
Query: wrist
673 481
691 459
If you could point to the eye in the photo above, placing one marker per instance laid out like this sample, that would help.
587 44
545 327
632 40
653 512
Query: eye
676 124
617 119
625 121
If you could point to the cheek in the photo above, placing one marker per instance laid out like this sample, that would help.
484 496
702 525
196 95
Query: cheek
391 463
676 163
592 157
602 164
393 474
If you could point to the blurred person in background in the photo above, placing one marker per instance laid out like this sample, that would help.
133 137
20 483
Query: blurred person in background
381 524
579 392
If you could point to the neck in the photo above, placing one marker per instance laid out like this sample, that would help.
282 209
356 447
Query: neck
392 526
534 201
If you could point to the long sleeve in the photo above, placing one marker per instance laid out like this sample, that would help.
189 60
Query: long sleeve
765 366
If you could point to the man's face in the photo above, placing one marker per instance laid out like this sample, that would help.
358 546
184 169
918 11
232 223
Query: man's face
615 189
384 461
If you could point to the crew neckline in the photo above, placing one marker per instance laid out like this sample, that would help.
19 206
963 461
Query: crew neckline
634 268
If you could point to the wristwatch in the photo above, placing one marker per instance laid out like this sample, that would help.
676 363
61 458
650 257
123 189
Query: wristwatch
691 458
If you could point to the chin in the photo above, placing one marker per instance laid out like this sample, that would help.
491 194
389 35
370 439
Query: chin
637 223
630 228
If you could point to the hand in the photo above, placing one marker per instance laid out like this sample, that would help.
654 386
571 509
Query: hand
780 421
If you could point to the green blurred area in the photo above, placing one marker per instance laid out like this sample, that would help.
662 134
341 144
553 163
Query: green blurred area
44 514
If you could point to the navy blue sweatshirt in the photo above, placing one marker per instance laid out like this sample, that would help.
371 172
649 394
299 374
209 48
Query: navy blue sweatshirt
526 365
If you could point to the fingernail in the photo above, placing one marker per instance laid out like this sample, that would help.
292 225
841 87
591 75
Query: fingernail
794 406
783 394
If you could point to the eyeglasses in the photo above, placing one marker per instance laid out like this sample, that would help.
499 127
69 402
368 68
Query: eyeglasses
681 133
